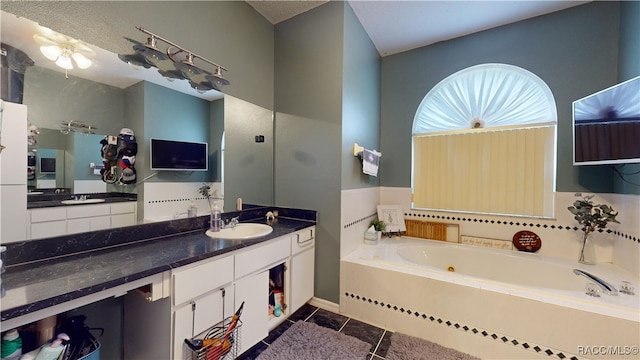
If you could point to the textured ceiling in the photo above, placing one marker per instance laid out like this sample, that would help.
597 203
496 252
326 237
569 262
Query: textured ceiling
277 11
397 25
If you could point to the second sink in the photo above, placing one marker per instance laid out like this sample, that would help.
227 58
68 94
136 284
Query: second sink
242 231
79 202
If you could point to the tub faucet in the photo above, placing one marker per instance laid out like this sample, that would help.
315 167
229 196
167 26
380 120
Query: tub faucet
605 286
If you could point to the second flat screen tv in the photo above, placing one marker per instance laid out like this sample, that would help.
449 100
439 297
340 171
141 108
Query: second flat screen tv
178 155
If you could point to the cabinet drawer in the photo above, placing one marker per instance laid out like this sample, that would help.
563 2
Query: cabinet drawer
258 258
120 220
50 214
75 226
199 279
123 208
48 229
303 240
83 211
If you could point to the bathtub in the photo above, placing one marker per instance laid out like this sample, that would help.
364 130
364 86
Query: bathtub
446 281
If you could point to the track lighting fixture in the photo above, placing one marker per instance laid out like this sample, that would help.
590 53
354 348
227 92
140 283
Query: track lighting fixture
183 62
149 51
79 126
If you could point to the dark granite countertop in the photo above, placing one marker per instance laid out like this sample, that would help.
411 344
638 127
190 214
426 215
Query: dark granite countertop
38 201
33 281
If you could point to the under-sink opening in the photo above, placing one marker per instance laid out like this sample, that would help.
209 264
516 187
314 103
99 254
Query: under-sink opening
278 300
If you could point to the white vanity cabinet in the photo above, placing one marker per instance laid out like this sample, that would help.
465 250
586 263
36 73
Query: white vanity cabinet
202 296
198 292
46 222
64 220
252 287
157 329
302 267
83 218
123 214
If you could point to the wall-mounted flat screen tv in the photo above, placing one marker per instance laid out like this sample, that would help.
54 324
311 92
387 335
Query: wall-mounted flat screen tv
179 155
47 165
606 126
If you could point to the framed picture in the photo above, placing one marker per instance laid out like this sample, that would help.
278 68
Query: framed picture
393 217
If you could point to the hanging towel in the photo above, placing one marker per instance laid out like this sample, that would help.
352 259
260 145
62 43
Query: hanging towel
370 161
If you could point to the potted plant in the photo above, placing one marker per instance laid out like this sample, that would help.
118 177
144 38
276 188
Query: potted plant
591 216
379 225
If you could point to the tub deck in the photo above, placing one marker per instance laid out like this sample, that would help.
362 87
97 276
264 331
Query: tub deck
484 317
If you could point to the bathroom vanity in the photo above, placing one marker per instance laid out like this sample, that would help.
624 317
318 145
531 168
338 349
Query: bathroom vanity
62 216
176 281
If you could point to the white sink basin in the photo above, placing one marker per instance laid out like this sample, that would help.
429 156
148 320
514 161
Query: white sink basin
242 231
79 202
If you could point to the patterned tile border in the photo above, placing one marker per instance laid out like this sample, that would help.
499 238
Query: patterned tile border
494 222
356 222
503 339
514 223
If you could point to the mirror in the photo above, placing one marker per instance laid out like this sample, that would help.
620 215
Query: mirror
111 95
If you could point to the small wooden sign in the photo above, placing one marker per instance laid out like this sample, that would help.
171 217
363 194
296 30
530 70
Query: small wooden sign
527 241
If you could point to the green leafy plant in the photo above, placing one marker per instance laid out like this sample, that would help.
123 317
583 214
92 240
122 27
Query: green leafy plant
591 216
205 190
379 225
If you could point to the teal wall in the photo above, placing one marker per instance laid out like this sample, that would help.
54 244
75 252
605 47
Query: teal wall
327 98
230 33
216 130
628 68
308 142
53 99
172 115
629 62
574 51
89 153
360 100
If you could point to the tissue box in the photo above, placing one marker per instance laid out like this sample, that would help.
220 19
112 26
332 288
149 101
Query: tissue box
372 237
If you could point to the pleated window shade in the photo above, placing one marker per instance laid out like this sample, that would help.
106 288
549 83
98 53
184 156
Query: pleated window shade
496 171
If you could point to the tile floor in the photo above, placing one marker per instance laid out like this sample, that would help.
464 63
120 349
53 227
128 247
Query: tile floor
377 337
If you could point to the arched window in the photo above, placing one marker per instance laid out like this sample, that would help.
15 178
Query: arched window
484 140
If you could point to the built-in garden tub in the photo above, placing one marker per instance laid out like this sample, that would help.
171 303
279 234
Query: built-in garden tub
492 303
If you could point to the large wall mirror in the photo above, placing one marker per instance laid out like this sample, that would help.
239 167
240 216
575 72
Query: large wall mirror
111 95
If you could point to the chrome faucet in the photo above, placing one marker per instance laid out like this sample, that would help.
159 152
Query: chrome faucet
231 223
605 286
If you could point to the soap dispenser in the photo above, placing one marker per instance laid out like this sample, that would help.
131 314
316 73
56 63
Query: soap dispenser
192 210
216 218
53 350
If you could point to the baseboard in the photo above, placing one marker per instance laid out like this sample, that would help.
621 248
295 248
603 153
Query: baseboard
325 304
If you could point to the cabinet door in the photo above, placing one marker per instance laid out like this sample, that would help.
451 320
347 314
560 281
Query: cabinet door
121 220
196 317
75 226
13 206
254 291
48 229
200 278
302 278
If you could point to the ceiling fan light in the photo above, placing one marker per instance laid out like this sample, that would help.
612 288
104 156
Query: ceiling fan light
64 61
82 61
51 52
